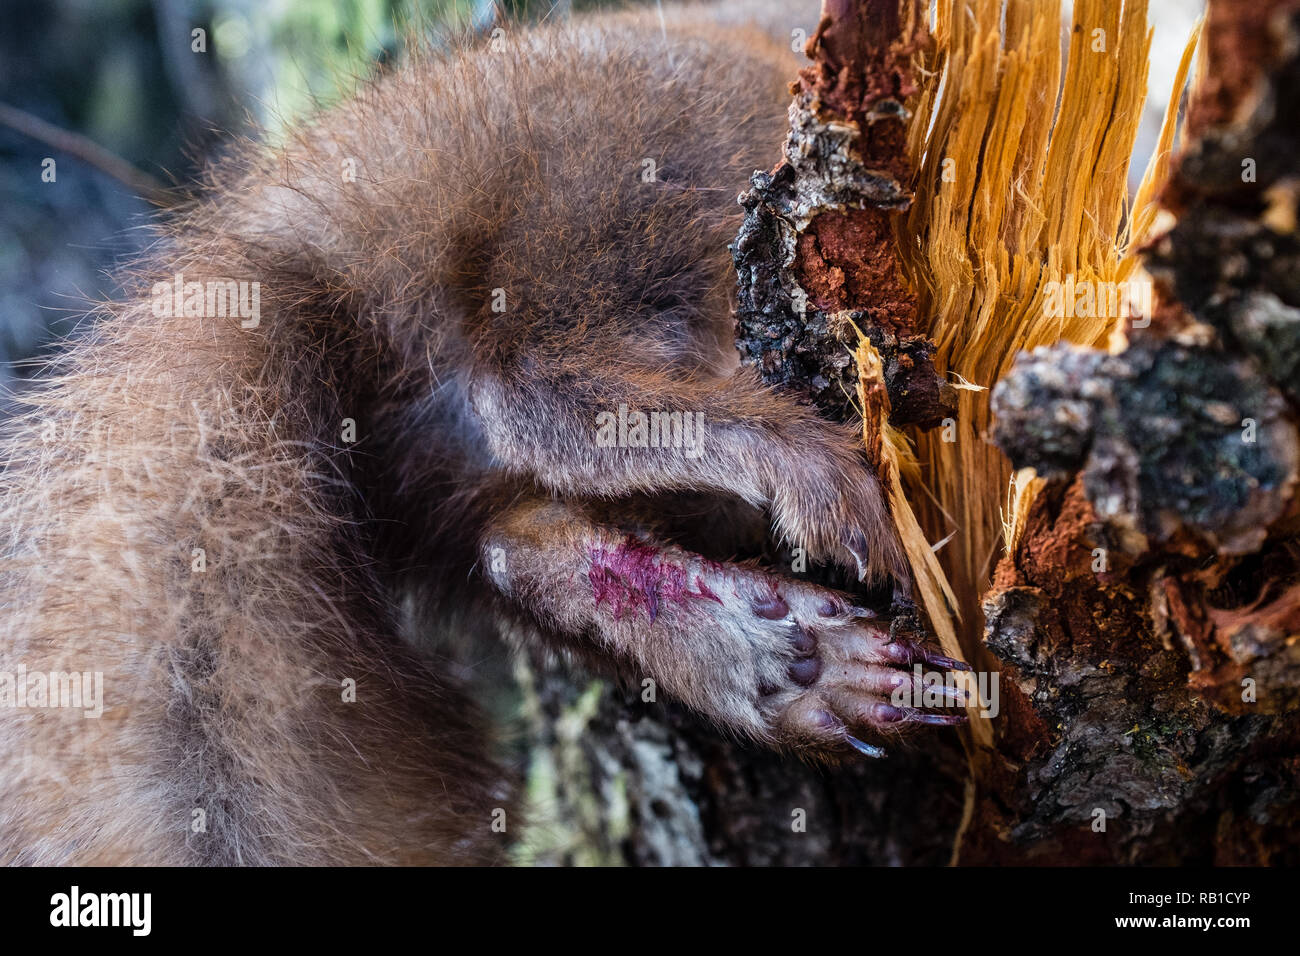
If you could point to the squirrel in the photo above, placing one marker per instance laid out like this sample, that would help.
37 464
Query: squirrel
463 341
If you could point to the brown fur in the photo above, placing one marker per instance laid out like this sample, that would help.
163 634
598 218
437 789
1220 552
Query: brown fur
516 169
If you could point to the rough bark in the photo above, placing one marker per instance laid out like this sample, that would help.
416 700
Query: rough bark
618 781
815 257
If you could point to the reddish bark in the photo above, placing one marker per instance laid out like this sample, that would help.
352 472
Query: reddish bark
819 227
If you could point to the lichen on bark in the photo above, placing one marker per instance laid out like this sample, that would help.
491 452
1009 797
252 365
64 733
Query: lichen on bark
1168 438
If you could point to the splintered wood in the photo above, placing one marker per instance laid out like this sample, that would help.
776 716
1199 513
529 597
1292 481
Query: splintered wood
1022 158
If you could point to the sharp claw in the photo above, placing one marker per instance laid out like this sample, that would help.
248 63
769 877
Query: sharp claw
938 660
905 652
856 542
956 694
889 714
865 748
830 608
939 720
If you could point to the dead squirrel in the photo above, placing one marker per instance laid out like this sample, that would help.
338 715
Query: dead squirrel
462 342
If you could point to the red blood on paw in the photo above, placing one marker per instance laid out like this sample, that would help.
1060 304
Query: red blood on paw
704 590
635 575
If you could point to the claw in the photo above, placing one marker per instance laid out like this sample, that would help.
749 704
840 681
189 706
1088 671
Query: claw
939 720
857 544
889 714
948 663
905 652
956 694
830 608
865 748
